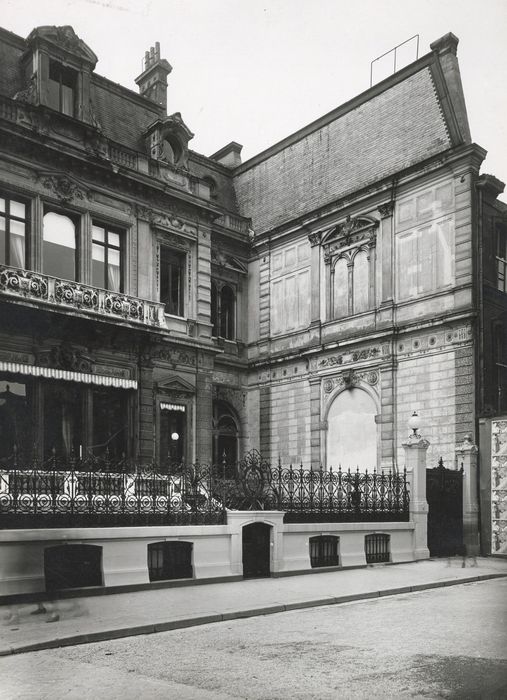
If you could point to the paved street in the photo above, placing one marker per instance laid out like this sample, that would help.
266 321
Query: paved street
439 643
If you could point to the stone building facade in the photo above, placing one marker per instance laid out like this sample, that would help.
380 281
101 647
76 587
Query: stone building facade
161 305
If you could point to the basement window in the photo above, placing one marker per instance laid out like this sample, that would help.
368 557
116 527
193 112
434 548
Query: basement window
170 560
324 551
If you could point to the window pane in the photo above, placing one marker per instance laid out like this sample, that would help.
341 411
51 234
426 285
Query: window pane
67 100
360 282
62 419
15 418
114 239
110 423
98 252
113 278
98 268
17 249
53 94
2 241
98 233
2 204
17 209
171 281
341 289
59 246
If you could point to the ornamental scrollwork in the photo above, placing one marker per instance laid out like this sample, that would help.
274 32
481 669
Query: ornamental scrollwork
315 238
66 357
63 188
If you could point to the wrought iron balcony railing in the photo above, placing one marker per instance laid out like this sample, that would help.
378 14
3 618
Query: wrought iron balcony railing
37 287
93 493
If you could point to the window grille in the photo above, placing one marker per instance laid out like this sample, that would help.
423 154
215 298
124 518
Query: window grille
376 548
324 551
170 560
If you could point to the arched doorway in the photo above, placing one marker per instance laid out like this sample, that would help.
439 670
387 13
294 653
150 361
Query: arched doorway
225 437
256 550
352 431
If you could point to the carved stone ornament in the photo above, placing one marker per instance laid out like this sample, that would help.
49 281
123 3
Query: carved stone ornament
63 188
315 238
29 94
66 357
386 210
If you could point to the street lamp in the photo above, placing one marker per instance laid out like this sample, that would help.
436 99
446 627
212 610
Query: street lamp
414 424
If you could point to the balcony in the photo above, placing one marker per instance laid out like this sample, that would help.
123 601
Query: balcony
65 295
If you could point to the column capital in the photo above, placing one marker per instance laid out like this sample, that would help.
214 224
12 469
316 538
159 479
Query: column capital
386 210
315 238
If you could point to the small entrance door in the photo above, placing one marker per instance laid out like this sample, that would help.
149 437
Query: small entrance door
444 492
256 550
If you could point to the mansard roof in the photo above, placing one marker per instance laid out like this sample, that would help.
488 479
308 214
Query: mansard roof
413 115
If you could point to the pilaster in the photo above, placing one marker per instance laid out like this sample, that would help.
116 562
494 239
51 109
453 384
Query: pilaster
416 448
466 457
386 251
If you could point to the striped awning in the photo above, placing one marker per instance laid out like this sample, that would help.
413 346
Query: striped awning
68 375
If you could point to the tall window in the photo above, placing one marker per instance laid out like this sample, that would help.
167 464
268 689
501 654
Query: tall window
225 437
223 311
62 88
59 249
172 274
106 258
13 222
350 284
173 424
501 258
110 423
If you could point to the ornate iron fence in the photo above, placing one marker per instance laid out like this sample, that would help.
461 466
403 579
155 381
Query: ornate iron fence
97 492
94 493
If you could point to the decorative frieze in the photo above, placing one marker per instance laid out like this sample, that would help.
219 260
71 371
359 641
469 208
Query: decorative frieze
64 188
354 356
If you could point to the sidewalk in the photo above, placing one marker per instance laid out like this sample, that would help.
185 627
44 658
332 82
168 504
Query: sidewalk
97 618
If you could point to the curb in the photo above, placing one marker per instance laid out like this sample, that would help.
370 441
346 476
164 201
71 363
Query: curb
136 630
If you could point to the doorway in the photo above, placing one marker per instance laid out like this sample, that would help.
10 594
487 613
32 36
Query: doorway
256 550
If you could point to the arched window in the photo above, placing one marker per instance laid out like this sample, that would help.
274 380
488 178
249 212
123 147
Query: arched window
360 295
341 289
59 249
171 150
227 313
225 437
352 431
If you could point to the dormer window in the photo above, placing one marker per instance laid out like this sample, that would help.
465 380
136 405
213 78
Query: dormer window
171 150
62 85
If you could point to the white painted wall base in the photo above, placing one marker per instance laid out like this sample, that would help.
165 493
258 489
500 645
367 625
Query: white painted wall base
217 549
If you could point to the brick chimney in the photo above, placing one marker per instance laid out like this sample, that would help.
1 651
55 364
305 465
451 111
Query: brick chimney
153 80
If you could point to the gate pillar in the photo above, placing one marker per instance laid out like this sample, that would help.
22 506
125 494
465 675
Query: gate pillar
415 462
466 457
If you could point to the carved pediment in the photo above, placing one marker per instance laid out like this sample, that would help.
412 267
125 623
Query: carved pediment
65 188
351 232
224 260
64 38
176 385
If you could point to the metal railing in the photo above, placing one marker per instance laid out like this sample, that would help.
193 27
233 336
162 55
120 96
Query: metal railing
36 286
96 492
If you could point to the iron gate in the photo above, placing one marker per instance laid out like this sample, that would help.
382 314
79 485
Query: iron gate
444 492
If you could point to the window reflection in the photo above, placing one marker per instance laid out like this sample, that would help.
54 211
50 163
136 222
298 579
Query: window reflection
12 232
106 258
59 249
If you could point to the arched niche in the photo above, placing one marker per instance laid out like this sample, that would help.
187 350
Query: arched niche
351 439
